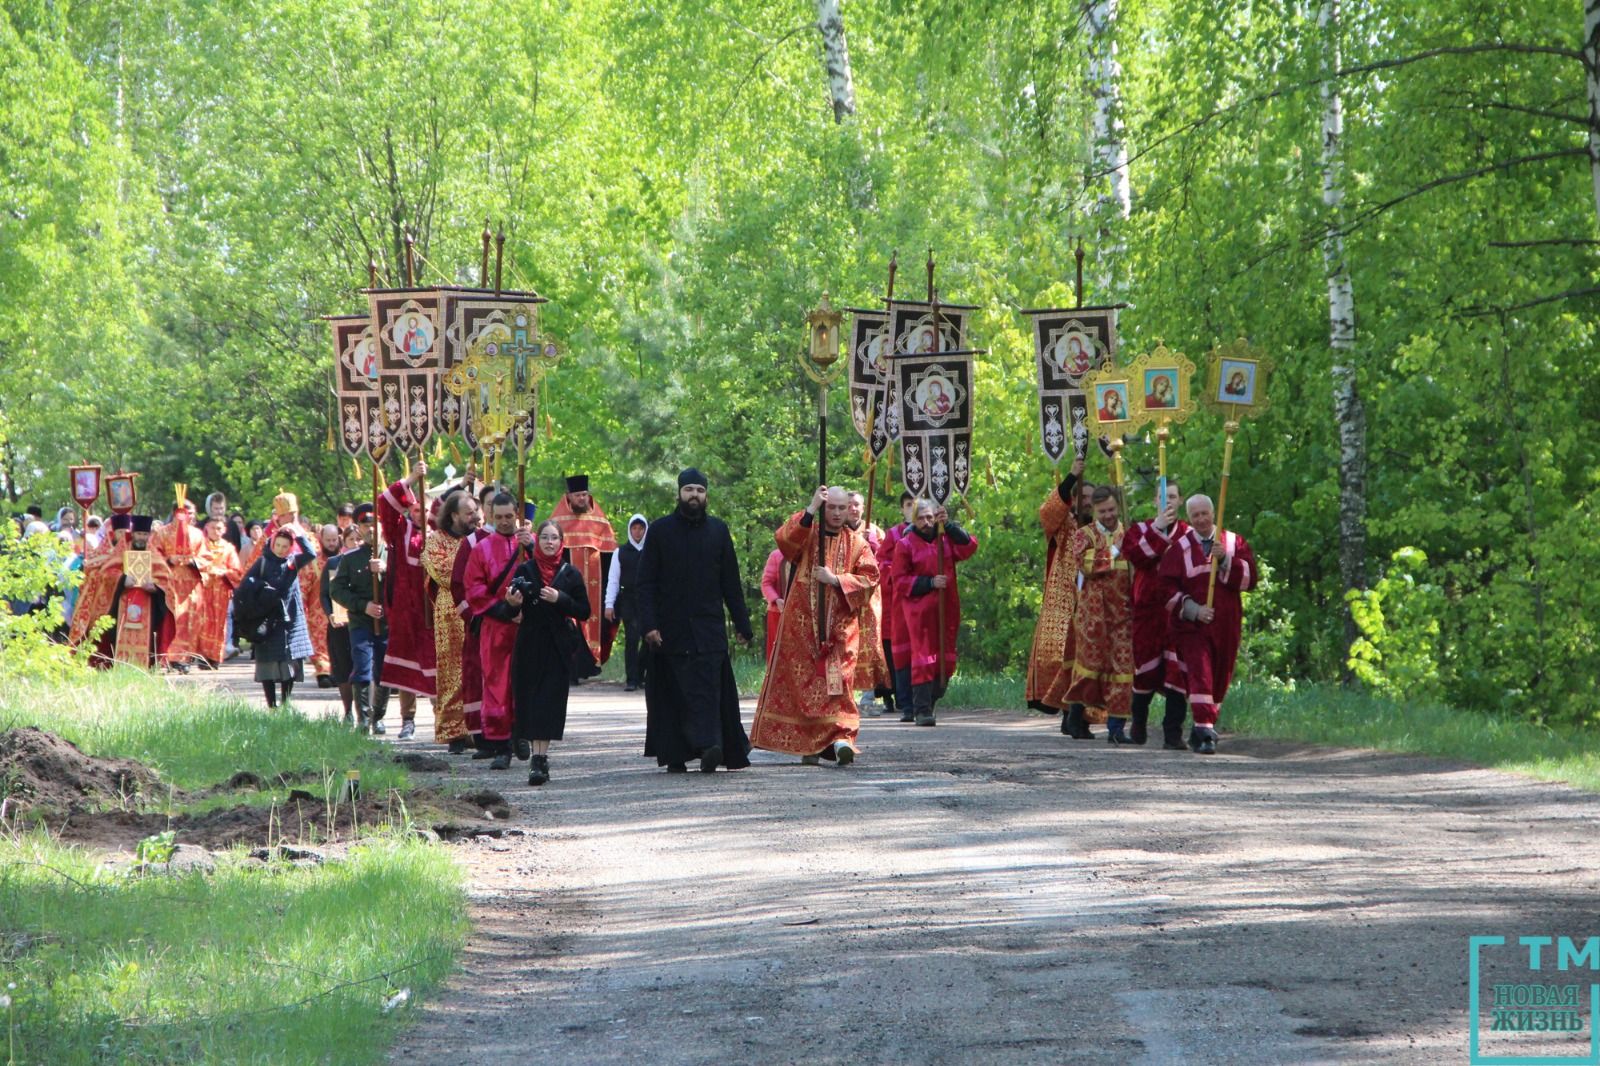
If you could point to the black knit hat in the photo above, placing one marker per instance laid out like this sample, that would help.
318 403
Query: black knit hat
692 476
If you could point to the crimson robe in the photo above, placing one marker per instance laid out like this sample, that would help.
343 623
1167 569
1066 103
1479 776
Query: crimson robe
1201 656
1102 622
872 670
1143 546
409 662
471 664
914 558
489 570
807 702
590 546
220 574
1050 658
180 543
894 619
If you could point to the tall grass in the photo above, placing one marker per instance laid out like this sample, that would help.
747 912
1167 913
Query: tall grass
193 737
243 965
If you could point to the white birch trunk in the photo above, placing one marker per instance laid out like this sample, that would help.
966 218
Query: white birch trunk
1349 412
1114 201
836 59
1591 62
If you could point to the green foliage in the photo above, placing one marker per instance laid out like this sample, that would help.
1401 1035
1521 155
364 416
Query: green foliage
246 964
33 569
189 186
1398 651
157 848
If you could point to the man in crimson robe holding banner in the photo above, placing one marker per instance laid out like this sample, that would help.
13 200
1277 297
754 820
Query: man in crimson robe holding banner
1144 546
807 704
1203 641
591 545
925 584
409 663
179 544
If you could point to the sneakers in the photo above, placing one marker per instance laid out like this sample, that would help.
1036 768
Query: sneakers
538 769
711 758
869 706
844 752
378 728
1203 740
408 729
925 718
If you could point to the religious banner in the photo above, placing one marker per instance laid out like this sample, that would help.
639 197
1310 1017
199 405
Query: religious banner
355 354
1238 380
85 484
935 415
1068 344
466 314
1163 393
121 495
870 379
410 346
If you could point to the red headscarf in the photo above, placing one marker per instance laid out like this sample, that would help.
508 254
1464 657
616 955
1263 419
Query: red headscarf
548 565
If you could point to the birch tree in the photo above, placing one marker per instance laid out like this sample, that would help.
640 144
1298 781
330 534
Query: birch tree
836 59
1349 412
1591 67
1109 152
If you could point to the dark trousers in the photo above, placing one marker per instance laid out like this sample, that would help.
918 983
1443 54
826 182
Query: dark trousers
902 687
632 638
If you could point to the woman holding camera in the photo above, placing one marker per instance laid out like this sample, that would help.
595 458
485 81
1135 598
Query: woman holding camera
551 652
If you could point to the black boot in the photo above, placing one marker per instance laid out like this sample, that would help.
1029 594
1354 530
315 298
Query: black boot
1172 721
380 709
459 745
538 769
922 703
1139 722
362 697
1076 724
502 756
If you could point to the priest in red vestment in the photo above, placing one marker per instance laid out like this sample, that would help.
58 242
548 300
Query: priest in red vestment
872 678
457 521
220 574
591 544
489 568
921 584
102 580
141 629
180 543
1143 546
896 638
1049 659
1102 621
409 663
1203 642
807 704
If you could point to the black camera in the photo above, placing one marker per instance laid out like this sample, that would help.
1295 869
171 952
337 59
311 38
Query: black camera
528 590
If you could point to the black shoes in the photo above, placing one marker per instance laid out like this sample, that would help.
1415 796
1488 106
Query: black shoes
908 716
502 761
677 768
1075 725
538 769
925 718
459 746
711 758
1203 740
523 749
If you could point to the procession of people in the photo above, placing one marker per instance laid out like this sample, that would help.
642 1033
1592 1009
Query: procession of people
452 593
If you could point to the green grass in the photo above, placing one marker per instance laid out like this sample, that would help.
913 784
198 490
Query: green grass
248 964
192 736
1329 714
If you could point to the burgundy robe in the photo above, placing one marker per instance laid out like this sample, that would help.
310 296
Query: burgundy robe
489 571
914 558
1201 656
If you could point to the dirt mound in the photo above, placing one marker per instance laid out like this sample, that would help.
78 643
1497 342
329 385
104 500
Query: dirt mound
296 821
40 771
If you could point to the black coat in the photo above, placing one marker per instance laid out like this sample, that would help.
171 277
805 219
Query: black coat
687 576
549 626
271 590
351 587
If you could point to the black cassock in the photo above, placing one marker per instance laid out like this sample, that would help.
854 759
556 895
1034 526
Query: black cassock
688 575
550 652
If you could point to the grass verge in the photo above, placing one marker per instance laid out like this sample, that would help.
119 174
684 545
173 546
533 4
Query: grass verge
247 964
1330 714
192 736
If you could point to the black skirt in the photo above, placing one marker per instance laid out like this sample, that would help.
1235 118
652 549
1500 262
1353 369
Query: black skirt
339 654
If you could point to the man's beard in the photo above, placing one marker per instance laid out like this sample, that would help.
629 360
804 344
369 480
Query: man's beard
691 508
577 508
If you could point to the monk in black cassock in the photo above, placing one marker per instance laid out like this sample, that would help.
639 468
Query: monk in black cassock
687 575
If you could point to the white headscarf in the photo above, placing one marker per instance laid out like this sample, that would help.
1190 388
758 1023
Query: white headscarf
638 544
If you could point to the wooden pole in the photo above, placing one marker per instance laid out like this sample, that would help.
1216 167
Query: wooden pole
872 397
411 259
1230 428
499 258
483 271
377 538
1116 476
822 517
1077 288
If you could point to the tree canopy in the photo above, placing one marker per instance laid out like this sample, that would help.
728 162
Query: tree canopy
185 188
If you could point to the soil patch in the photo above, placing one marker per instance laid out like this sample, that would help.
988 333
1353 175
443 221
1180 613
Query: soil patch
298 821
40 771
